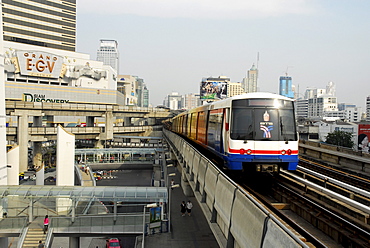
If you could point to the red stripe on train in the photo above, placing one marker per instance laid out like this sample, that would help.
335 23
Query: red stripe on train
260 152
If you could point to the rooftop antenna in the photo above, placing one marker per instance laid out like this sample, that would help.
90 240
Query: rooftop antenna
258 58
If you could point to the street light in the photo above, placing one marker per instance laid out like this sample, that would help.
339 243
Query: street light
151 205
169 205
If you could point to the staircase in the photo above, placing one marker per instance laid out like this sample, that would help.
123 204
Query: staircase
34 235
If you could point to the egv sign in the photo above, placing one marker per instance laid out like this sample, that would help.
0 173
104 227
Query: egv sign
39 64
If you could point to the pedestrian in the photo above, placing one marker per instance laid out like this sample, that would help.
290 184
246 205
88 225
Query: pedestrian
46 223
189 206
183 208
41 245
172 183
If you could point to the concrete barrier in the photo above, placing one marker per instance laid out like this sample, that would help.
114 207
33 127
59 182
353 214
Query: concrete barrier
203 165
247 222
224 198
210 186
276 237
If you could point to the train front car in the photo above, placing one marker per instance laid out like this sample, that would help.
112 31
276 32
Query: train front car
262 134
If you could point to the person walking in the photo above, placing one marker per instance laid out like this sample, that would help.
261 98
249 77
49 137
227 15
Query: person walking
41 245
189 206
172 183
183 208
46 223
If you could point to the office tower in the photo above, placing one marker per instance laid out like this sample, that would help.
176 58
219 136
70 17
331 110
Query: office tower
234 89
41 23
108 53
174 101
191 100
286 86
249 83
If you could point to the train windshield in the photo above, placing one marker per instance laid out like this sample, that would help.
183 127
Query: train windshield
263 119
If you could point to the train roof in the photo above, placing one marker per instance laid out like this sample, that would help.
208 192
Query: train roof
224 102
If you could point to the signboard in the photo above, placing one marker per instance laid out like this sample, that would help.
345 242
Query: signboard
155 214
39 64
363 137
213 90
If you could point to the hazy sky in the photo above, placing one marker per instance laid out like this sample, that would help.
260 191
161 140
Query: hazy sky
173 44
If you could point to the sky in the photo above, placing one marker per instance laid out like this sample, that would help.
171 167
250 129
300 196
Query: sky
172 45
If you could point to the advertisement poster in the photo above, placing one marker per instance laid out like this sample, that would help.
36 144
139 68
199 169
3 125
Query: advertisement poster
363 137
213 90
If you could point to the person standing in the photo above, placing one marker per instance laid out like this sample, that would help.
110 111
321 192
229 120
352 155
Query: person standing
183 208
189 206
46 223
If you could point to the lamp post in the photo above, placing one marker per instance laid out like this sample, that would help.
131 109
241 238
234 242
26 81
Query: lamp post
169 205
151 205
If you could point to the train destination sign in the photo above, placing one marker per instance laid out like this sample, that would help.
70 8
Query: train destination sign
27 97
39 64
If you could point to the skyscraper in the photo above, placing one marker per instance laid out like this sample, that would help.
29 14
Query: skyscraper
108 53
249 83
42 23
286 88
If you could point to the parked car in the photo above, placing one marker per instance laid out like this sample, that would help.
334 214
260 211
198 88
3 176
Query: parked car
113 243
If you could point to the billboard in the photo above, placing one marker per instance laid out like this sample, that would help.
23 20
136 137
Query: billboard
213 90
363 137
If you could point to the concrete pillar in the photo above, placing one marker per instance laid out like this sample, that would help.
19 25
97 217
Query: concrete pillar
65 158
40 175
13 166
37 163
108 125
22 139
74 242
90 120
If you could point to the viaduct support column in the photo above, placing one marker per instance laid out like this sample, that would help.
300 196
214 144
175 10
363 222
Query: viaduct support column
127 121
90 121
22 140
37 163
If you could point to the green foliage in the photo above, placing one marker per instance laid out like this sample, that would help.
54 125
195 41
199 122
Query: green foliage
340 138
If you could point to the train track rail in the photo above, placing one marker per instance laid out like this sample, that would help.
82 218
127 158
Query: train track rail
327 211
355 178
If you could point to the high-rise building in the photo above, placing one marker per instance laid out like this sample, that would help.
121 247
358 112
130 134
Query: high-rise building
234 89
191 100
249 83
286 88
108 53
174 101
42 23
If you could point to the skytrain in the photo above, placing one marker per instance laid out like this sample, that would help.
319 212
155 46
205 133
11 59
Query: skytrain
249 132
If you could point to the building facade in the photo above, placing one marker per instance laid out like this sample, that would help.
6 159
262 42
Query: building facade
41 74
108 54
191 101
49 24
174 101
234 89
249 83
286 88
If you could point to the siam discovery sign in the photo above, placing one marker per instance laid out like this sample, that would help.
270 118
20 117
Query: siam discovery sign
27 97
39 64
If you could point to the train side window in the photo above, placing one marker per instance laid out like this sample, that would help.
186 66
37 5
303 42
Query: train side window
215 128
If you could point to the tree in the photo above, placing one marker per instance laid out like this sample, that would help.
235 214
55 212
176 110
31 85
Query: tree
340 138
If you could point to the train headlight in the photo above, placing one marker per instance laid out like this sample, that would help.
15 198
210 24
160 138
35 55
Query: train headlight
242 151
283 152
249 151
289 152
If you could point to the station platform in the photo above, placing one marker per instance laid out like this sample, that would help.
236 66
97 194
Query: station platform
185 231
